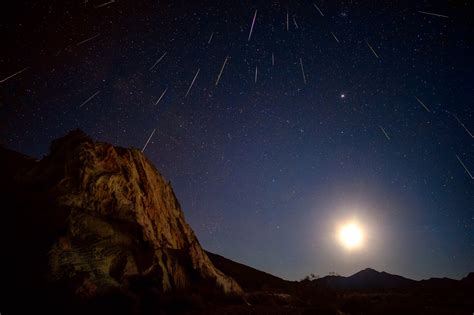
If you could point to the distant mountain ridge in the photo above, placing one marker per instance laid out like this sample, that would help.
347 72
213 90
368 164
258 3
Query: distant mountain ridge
367 279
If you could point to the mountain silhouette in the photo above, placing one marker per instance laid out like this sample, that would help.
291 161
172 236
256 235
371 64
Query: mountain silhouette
366 279
249 278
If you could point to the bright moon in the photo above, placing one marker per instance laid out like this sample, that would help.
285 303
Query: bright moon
351 235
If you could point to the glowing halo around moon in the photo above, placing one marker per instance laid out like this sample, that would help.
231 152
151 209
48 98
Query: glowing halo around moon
351 235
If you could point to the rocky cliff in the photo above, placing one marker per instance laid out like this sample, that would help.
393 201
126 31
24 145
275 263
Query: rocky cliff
110 221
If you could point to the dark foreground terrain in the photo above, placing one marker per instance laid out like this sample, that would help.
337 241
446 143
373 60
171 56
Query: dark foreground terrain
95 229
366 292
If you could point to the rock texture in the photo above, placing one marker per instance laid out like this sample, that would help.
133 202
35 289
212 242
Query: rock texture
113 222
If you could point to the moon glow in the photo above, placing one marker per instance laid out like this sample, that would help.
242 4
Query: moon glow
351 235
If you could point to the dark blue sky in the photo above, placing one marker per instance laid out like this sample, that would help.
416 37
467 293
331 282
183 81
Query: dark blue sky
265 170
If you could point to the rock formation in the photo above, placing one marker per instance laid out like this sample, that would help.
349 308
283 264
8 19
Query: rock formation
112 221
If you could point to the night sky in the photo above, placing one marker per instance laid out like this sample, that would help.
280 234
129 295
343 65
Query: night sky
378 127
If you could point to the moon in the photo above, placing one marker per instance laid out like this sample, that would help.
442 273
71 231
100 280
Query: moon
351 235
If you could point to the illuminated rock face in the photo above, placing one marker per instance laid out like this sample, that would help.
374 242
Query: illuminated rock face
123 223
